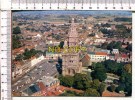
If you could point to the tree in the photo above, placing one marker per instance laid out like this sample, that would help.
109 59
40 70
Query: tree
118 45
19 57
16 42
16 30
95 84
128 68
91 92
123 19
126 79
113 67
99 72
104 45
61 44
26 54
111 88
120 88
102 88
66 81
81 81
129 47
71 93
44 53
32 52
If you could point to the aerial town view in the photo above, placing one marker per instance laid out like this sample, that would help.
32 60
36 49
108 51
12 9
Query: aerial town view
72 53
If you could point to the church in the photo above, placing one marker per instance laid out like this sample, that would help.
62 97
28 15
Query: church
70 60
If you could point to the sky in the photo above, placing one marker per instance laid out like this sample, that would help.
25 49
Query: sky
54 12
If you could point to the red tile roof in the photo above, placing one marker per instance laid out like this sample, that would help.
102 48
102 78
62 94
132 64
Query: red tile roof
112 94
18 50
49 94
71 89
41 86
124 56
21 49
87 57
100 53
18 63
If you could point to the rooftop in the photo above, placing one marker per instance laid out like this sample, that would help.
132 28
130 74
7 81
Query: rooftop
98 53
47 80
112 94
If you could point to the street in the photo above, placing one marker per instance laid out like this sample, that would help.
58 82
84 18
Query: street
43 68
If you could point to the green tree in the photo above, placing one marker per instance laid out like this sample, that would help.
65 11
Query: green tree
71 93
16 42
66 81
123 19
129 47
44 53
81 81
61 44
118 45
102 88
32 52
29 53
128 68
111 88
26 54
16 30
113 67
99 72
96 84
19 57
104 45
91 92
120 88
126 79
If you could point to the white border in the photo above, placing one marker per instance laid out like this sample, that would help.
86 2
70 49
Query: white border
6 5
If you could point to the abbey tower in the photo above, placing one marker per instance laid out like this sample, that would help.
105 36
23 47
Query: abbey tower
70 60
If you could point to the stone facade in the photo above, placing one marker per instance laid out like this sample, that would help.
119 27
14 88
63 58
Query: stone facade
70 60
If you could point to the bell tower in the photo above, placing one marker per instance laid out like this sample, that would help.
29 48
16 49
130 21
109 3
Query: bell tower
70 60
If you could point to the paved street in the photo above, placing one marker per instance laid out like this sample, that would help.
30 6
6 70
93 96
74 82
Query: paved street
42 69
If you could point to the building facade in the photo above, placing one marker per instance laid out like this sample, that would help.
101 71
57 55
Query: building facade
70 60
98 56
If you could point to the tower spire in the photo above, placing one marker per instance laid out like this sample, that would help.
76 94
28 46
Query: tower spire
73 35
70 60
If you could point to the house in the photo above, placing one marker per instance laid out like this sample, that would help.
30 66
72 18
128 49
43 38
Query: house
21 68
115 51
98 56
49 82
17 52
124 58
21 50
107 51
111 56
120 57
41 85
100 40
